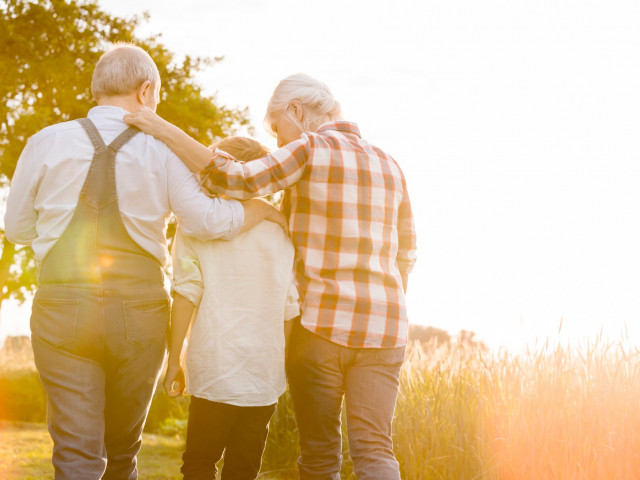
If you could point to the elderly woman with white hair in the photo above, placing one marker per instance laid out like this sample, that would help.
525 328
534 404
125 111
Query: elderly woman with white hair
351 224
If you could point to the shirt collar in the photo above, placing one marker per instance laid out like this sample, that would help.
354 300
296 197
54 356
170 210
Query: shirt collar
110 112
340 126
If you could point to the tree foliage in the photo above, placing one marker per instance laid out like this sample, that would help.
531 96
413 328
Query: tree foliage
49 50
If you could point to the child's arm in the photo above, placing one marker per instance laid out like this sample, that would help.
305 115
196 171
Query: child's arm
291 312
181 315
187 289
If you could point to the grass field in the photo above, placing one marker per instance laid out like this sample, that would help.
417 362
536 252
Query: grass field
561 413
25 454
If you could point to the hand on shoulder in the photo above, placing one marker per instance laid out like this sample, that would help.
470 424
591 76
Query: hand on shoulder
146 120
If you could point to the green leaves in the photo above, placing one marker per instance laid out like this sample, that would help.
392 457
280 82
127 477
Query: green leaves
48 50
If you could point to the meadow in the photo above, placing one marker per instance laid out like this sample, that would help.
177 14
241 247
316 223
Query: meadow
552 412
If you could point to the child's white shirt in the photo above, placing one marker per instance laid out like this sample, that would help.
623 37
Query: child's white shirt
244 290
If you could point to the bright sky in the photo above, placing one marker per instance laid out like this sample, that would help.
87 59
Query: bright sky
515 122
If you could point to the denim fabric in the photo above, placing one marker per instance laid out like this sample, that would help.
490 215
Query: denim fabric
241 432
95 248
320 374
99 355
98 328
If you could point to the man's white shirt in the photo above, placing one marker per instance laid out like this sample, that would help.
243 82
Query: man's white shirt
151 181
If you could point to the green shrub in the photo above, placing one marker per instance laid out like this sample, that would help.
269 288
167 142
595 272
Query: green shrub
23 398
168 415
282 450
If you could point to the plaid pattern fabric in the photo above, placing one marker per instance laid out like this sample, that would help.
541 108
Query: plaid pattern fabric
352 226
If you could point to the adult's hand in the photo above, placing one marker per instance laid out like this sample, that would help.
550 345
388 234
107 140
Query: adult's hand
278 218
194 155
148 121
258 209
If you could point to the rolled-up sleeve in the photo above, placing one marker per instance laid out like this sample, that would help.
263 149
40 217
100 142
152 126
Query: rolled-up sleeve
199 214
20 217
269 174
407 245
187 276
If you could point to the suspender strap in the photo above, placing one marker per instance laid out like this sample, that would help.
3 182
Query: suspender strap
123 138
93 133
95 248
96 138
100 185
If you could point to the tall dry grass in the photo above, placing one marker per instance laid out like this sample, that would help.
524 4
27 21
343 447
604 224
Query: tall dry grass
550 413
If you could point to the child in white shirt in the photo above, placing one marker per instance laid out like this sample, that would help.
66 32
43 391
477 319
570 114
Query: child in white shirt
241 291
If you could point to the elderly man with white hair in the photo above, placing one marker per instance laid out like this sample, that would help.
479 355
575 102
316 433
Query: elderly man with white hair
93 198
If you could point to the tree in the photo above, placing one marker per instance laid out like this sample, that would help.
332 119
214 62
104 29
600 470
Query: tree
49 49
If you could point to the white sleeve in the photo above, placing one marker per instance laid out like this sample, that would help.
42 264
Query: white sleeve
20 217
187 276
292 305
198 214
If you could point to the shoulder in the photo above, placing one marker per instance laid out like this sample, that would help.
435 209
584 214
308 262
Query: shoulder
155 155
153 143
171 159
53 132
341 135
268 236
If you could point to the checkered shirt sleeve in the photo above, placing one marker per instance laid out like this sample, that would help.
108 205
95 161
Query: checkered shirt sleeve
351 224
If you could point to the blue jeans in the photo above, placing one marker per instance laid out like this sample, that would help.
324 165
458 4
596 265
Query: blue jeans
320 373
99 355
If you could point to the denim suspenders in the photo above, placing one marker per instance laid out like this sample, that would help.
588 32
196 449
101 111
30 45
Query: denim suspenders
95 248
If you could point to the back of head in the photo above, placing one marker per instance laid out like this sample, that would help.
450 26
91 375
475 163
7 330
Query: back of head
242 148
121 70
317 100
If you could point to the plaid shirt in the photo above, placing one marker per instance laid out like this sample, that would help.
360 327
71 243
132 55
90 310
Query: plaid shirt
351 223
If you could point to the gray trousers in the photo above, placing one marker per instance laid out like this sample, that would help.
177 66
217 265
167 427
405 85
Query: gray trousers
322 373
99 355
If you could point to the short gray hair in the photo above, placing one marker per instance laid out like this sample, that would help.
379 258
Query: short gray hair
321 105
122 69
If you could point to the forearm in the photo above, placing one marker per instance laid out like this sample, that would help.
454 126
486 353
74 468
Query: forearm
269 174
194 154
20 215
19 230
181 315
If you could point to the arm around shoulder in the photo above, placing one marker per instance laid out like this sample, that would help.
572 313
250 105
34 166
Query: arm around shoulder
195 155
199 214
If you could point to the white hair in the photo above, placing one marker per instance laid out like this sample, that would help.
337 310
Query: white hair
121 70
320 106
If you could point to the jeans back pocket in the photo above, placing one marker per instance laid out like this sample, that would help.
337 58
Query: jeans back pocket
55 320
146 321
